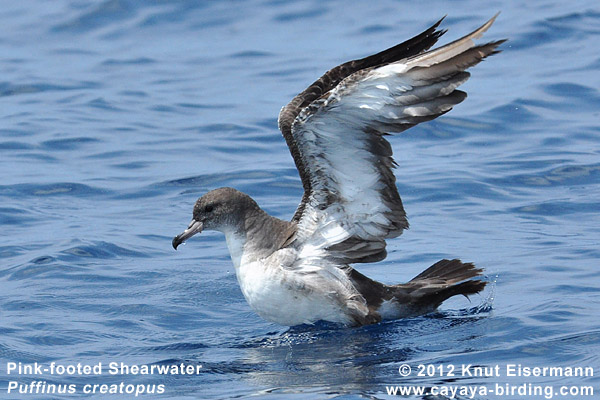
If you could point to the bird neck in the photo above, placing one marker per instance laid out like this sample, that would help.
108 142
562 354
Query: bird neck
258 237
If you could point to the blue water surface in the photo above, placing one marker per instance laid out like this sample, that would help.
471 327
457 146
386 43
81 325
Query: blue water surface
116 115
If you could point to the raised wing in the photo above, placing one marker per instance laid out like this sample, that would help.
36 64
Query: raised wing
335 130
331 79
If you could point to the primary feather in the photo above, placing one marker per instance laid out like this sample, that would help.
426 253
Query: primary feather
336 134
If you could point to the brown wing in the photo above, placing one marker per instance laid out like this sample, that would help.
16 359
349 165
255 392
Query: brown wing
351 203
332 78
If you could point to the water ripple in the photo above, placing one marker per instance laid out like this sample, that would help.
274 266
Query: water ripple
51 189
11 89
107 12
118 114
99 250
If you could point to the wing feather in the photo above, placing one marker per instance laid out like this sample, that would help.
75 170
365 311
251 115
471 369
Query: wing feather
332 78
336 133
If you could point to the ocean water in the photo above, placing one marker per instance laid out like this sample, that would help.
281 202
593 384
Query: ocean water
116 115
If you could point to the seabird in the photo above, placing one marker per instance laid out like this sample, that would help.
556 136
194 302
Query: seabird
299 271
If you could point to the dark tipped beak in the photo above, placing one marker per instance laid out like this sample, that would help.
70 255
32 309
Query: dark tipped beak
195 227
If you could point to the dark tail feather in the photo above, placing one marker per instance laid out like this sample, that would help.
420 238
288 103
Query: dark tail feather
442 280
446 270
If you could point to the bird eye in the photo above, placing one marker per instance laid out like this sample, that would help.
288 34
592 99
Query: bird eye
208 208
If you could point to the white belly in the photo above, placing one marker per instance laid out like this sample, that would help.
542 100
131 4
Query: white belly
278 296
290 296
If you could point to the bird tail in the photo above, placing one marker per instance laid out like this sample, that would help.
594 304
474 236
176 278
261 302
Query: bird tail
444 279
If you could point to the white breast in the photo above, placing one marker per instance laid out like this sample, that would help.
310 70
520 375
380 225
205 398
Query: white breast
278 296
288 291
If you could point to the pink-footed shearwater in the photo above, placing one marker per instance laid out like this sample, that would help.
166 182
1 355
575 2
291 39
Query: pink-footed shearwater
298 272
